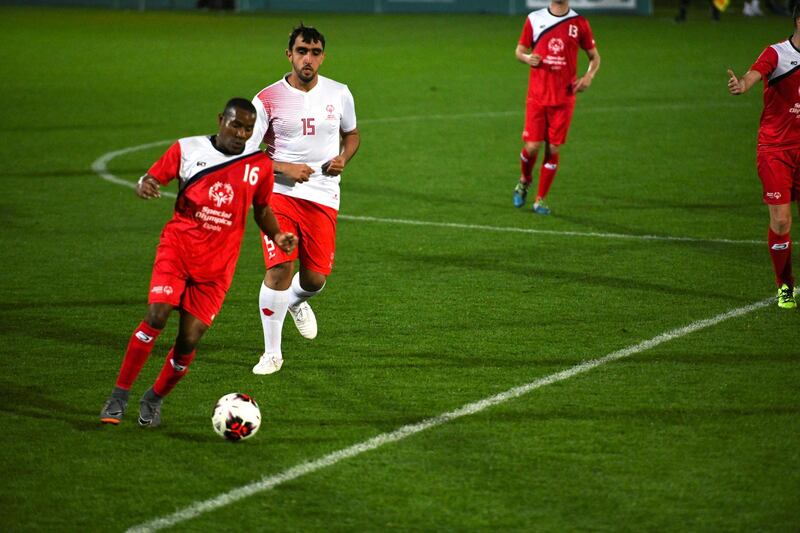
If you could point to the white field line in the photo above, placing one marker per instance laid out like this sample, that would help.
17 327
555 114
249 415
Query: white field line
100 167
271 481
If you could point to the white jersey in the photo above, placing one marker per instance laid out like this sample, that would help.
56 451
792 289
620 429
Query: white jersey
304 127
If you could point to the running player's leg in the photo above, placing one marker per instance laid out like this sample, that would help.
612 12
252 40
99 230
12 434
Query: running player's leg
200 304
532 137
273 301
776 172
273 296
559 119
166 287
316 263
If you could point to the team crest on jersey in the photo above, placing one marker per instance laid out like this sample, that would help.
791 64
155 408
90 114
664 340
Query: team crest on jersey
329 108
556 46
221 193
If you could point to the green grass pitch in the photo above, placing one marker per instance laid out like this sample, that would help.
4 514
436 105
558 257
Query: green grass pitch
699 433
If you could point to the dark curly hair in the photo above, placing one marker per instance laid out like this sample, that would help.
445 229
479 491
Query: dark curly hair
309 34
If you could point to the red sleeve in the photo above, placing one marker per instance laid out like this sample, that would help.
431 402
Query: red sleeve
265 183
526 38
766 63
586 37
168 167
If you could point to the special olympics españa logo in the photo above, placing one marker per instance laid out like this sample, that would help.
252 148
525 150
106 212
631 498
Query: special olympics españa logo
221 193
556 46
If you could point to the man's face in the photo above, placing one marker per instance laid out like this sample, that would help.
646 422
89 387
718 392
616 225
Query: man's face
235 128
306 59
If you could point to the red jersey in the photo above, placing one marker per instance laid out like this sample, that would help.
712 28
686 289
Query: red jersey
215 192
557 40
779 66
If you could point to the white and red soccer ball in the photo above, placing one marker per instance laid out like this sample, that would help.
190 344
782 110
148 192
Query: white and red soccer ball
236 417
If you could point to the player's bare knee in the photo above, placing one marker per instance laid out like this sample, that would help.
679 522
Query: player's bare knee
311 281
279 277
533 147
157 315
781 224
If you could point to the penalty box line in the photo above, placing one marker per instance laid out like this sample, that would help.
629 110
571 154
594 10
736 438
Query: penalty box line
269 482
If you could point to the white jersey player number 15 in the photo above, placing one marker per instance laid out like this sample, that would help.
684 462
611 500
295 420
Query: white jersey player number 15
304 127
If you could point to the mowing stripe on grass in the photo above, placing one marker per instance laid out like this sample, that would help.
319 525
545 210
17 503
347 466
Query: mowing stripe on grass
272 481
100 167
584 109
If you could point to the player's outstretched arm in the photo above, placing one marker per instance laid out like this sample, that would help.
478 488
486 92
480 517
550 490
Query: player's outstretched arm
583 83
737 86
148 187
269 225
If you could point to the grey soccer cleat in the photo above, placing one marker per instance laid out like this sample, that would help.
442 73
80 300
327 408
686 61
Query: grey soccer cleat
149 412
113 410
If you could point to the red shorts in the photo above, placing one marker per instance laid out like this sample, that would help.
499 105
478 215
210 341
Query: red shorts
172 284
315 227
780 176
547 122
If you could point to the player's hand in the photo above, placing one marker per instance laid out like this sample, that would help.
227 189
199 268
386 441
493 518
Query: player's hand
285 241
299 172
334 167
148 188
534 60
581 84
735 85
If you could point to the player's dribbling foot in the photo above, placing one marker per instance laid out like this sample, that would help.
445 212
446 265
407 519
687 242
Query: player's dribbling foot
113 410
786 297
520 193
268 364
150 409
540 208
304 319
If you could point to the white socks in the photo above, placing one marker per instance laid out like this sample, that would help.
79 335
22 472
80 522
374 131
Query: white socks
272 308
273 305
298 294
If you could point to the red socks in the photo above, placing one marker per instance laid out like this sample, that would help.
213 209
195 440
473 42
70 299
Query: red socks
175 367
547 174
526 163
780 250
139 348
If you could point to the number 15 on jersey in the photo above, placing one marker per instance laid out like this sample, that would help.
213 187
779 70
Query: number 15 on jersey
308 126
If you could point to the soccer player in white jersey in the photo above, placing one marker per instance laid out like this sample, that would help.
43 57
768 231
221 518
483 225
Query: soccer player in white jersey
308 124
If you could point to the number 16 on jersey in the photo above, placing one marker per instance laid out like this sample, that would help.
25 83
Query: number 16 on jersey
251 174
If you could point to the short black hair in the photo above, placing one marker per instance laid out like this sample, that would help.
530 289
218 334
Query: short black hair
239 103
796 11
309 34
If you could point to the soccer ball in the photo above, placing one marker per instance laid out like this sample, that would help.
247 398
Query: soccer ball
236 417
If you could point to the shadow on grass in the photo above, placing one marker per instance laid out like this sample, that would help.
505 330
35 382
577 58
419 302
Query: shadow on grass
577 280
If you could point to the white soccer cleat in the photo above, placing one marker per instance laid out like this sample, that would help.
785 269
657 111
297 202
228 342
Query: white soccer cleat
304 319
268 364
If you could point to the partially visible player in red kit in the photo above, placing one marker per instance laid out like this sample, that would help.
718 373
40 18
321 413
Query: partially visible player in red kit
196 257
778 151
549 45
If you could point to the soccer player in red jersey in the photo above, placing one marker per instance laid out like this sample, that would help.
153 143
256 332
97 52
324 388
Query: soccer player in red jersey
549 45
778 150
218 181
